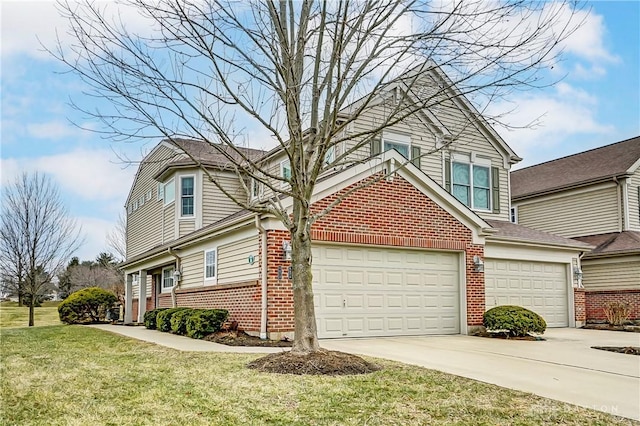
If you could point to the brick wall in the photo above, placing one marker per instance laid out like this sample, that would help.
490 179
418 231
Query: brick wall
596 300
279 285
242 300
580 307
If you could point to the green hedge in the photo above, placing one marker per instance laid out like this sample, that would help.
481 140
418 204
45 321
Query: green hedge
150 318
179 321
203 322
516 320
163 319
86 306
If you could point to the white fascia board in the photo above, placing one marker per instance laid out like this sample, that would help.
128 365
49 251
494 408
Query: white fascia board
634 167
528 243
516 251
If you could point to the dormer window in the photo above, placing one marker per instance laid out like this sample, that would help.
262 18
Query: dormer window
397 141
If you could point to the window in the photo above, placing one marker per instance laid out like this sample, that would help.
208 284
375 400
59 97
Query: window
130 208
169 192
160 195
330 156
471 183
187 191
167 279
257 188
401 143
210 265
285 170
149 194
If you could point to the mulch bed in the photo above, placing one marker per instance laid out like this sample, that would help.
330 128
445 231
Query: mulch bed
502 335
240 338
629 350
330 363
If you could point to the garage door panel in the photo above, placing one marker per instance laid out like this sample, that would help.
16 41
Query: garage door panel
389 292
541 287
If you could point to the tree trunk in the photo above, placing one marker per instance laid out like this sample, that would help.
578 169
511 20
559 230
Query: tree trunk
306 335
32 304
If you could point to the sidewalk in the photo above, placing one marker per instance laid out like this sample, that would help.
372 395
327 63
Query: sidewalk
181 343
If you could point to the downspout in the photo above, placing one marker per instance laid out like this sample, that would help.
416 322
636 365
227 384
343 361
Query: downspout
176 282
263 277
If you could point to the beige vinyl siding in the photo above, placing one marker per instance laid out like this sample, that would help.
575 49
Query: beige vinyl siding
169 223
634 202
574 214
620 273
136 288
192 270
233 261
144 226
467 139
215 204
186 227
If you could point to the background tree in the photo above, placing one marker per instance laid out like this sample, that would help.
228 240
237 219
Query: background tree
218 71
37 235
102 272
117 237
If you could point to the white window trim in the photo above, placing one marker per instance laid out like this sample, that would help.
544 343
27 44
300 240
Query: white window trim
214 279
396 139
282 166
260 185
164 192
164 289
191 216
473 160
160 193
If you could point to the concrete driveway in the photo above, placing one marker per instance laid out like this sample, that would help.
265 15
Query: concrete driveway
564 367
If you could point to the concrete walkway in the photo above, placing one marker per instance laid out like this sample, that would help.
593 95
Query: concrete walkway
564 367
180 343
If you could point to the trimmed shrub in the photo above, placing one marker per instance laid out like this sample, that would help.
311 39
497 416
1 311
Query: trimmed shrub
86 306
163 319
150 318
206 321
179 321
518 321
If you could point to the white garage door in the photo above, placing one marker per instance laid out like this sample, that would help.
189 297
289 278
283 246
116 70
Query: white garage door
539 286
366 291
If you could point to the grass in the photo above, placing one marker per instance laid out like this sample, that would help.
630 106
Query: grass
74 375
12 315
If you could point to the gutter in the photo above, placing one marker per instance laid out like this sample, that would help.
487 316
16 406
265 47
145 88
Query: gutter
263 277
177 276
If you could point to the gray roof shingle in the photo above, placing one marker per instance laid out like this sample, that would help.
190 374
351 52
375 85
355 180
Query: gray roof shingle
583 168
626 242
514 232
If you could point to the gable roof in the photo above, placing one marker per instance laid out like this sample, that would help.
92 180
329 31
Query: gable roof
613 243
596 165
507 231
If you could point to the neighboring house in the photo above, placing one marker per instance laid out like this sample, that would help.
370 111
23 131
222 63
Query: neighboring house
593 197
424 251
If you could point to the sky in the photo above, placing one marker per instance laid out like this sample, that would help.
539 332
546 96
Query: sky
595 102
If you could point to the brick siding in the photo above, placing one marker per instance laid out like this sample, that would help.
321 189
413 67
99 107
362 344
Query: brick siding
579 304
595 301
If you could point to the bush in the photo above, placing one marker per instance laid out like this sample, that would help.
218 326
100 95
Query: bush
163 319
179 321
617 312
518 321
86 306
206 321
150 318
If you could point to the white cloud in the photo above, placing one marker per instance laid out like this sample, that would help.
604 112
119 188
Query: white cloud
587 41
557 117
90 174
54 129
95 232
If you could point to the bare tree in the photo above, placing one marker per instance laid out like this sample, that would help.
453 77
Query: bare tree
117 237
37 235
301 72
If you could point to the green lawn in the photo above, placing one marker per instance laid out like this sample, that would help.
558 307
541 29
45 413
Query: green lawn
12 315
74 375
